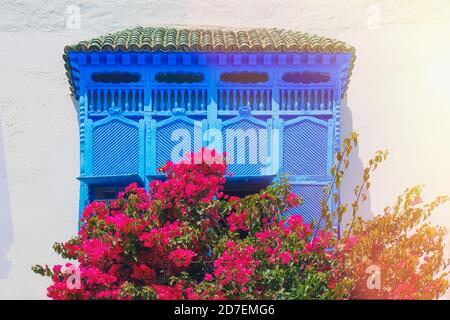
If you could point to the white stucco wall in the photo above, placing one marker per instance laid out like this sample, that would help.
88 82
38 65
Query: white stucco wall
398 99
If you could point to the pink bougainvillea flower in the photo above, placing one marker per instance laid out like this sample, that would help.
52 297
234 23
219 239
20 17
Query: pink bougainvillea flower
181 257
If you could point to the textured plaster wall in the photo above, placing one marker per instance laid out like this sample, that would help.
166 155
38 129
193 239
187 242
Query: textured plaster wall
398 99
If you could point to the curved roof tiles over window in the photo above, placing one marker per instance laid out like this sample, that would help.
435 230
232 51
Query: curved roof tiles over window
209 39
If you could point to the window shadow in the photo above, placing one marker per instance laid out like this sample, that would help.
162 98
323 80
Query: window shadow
353 175
6 230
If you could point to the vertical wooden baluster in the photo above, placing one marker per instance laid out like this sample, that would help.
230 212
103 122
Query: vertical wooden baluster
203 97
124 100
328 99
95 99
227 100
303 99
240 98
252 99
286 99
237 99
183 100
157 100
168 102
180 98
295 101
131 99
138 100
322 99
233 101
331 99
264 99
258 95
246 101
96 95
163 100
200 99
172 99
110 101
116 98
106 93
296 107
292 100
188 100
291 97
119 99
153 98
111 98
300 100
197 102
305 95
127 106
103 99
315 99
281 99
91 99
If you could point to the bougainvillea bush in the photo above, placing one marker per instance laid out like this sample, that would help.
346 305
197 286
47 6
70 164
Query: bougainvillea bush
400 247
186 239
395 255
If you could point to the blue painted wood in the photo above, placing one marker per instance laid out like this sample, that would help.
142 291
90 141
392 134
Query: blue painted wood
135 108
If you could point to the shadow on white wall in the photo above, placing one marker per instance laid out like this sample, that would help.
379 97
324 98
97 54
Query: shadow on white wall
354 174
6 231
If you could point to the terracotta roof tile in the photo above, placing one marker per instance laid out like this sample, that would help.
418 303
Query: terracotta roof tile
205 39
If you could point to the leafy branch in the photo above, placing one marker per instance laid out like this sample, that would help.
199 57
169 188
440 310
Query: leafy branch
337 172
